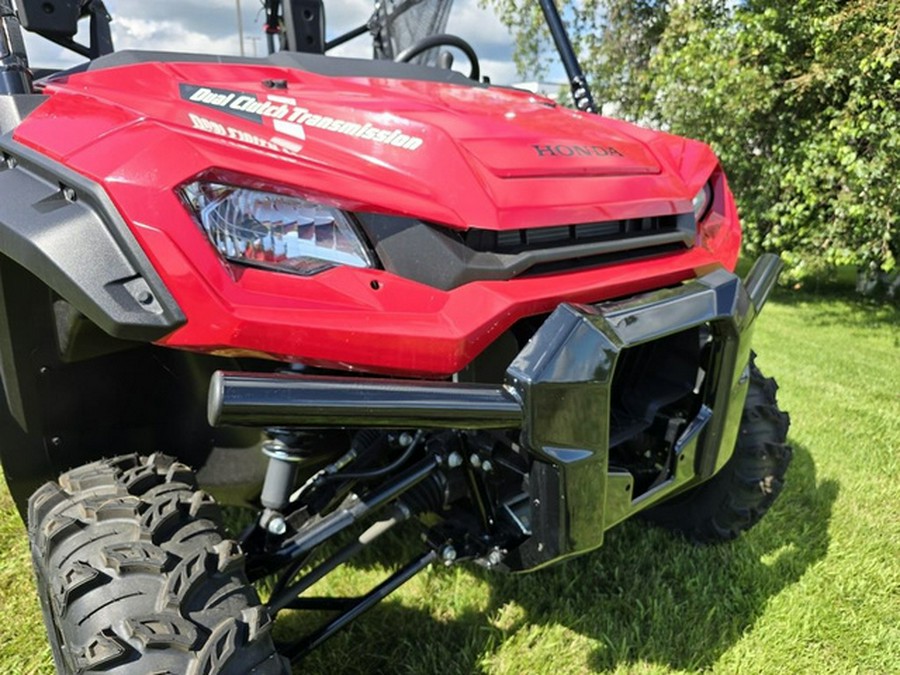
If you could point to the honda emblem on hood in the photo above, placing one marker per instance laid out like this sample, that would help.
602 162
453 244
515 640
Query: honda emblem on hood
561 150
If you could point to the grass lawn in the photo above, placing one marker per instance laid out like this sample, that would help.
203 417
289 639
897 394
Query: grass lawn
815 588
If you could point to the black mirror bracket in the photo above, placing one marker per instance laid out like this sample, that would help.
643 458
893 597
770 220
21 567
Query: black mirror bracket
57 20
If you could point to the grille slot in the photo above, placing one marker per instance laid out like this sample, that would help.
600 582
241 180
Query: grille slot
579 263
511 242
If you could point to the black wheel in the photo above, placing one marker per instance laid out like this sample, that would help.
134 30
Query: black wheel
739 495
136 576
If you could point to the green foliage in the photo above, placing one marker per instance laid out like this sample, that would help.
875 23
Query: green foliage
800 99
618 49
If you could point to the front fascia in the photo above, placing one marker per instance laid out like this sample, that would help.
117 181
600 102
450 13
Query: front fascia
366 319
351 319
564 379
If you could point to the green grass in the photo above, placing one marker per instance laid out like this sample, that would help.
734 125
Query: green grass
815 588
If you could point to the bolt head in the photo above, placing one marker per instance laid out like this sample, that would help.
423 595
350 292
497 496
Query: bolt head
448 555
475 460
277 526
486 466
405 439
454 460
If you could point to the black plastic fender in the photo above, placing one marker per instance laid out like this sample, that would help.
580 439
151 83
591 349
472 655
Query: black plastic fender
63 229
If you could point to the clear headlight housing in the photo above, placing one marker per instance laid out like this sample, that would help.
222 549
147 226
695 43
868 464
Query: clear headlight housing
287 233
703 201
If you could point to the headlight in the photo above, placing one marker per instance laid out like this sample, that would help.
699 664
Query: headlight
702 202
265 229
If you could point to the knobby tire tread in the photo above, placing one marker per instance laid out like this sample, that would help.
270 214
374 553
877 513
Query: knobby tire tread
136 575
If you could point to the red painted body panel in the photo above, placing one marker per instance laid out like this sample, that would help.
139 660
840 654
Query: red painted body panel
455 155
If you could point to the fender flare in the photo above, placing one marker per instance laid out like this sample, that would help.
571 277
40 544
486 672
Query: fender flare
64 229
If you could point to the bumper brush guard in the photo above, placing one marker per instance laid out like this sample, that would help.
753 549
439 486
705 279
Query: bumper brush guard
558 392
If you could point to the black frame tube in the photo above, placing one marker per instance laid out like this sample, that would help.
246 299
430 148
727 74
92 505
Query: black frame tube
298 650
581 92
304 25
323 604
285 597
346 37
338 521
15 78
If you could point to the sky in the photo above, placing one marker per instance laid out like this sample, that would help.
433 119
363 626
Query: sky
210 26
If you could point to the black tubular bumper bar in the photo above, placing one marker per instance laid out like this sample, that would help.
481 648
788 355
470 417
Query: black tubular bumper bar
558 392
251 399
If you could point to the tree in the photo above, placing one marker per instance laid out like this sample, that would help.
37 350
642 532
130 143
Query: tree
615 37
800 99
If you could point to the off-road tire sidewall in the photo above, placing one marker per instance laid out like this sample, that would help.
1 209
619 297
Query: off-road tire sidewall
135 575
740 494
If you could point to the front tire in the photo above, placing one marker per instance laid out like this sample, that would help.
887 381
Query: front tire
737 497
136 576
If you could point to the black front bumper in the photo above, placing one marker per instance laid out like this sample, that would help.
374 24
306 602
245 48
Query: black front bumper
564 379
558 391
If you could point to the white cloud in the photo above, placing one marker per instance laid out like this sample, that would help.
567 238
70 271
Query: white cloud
135 33
210 26
481 28
500 72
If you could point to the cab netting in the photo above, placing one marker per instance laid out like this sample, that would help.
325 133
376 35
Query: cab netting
399 24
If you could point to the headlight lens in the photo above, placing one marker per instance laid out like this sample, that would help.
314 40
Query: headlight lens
703 201
281 232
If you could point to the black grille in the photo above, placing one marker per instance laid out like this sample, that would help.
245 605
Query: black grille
574 263
541 238
446 258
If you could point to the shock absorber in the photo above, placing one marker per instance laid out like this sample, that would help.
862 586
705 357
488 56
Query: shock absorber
286 452
15 78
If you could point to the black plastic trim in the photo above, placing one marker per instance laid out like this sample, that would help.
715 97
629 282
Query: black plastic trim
64 229
24 328
440 257
633 230
565 376
14 108
330 66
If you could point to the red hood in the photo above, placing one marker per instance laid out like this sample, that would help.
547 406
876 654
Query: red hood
457 154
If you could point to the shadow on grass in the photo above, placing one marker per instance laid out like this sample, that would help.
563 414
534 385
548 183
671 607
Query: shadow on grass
840 307
646 596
